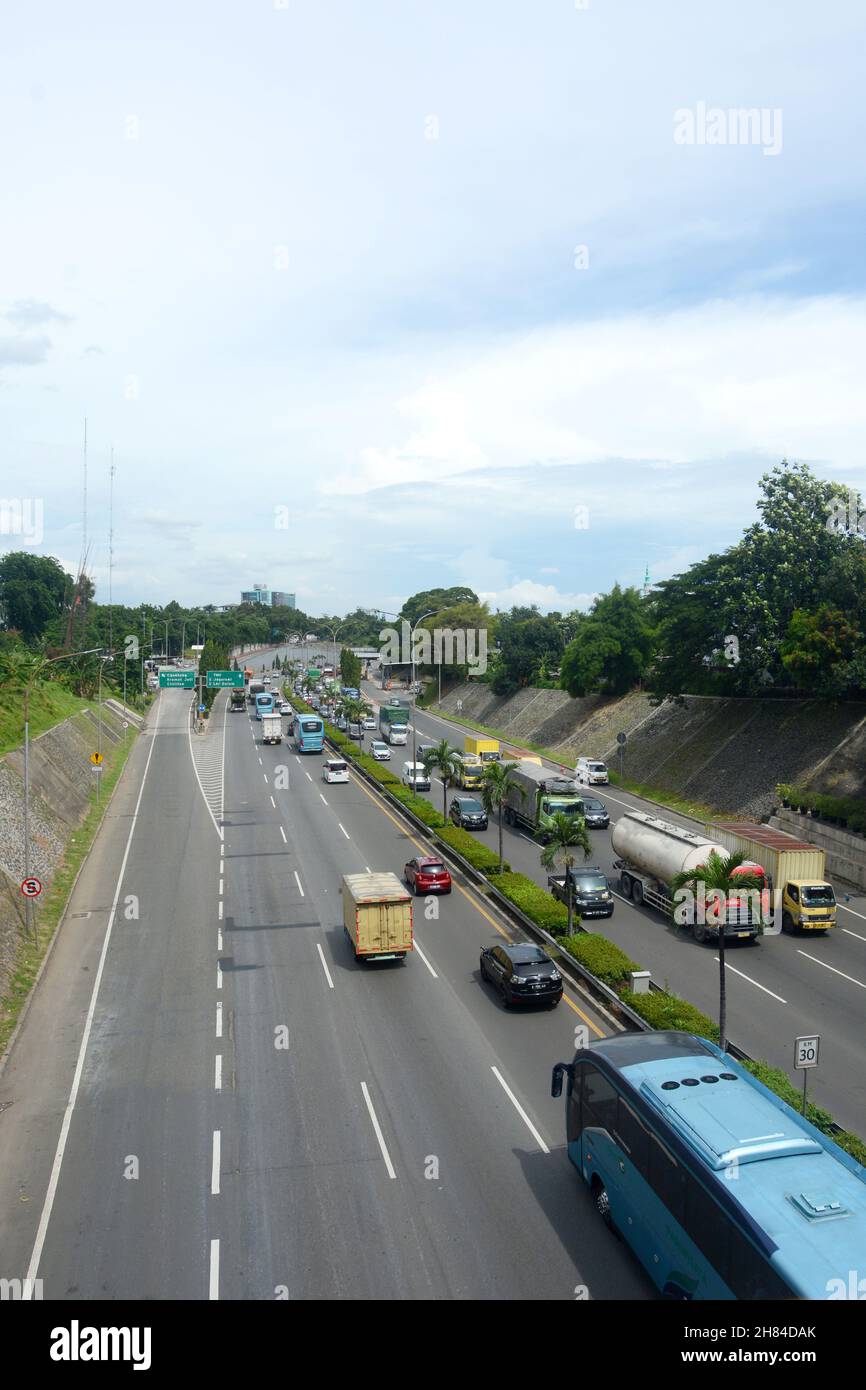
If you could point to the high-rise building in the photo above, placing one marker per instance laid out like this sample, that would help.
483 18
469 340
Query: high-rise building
282 600
272 598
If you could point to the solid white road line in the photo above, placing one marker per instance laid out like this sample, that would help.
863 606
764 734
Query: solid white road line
48 1204
325 966
850 978
214 1279
345 832
743 976
218 1072
425 960
215 1165
219 1020
520 1110
388 1164
283 833
298 882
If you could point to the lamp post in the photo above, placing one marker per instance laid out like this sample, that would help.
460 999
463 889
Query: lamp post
333 631
412 651
36 672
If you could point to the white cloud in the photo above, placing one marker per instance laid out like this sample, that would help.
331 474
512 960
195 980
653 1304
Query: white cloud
525 592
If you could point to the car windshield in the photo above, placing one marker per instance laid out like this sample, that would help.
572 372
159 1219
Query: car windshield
590 883
592 805
819 895
597 767
563 808
529 955
471 807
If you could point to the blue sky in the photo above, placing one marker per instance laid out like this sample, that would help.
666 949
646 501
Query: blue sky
427 281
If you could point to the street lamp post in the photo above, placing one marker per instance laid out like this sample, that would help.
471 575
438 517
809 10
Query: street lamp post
412 651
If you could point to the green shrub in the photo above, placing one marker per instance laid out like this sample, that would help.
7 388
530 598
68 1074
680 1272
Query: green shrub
601 957
850 810
476 853
540 906
666 1011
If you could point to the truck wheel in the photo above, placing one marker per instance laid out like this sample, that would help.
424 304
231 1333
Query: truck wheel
625 885
699 932
787 922
509 816
637 892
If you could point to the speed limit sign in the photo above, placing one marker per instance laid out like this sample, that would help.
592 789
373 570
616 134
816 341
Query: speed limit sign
806 1052
31 887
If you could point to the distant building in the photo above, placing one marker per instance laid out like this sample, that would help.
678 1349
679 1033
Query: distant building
270 598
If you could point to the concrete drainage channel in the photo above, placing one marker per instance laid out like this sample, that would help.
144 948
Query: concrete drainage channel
602 996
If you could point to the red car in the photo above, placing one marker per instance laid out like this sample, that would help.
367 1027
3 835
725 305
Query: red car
427 876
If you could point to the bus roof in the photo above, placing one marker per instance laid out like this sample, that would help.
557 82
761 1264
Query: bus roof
806 1195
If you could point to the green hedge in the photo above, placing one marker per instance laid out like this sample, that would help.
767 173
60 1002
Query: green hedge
473 850
848 809
539 905
603 958
665 1011
418 806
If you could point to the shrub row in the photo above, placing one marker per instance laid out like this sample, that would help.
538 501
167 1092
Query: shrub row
478 855
601 957
846 810
537 903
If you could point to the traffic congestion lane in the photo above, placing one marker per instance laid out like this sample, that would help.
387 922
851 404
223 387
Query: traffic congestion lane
782 987
439 1098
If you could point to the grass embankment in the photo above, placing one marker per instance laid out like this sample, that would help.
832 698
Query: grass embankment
50 704
50 909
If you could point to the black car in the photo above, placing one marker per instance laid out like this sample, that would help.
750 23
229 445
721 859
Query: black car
591 893
595 813
523 974
468 812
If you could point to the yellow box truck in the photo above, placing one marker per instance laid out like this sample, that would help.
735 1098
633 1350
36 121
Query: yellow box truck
469 773
795 869
377 916
487 749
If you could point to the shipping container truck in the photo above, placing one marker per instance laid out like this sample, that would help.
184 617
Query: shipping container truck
394 723
256 687
487 749
795 869
651 851
537 795
237 701
377 916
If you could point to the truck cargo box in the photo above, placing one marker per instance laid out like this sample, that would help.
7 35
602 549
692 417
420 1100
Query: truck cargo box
377 916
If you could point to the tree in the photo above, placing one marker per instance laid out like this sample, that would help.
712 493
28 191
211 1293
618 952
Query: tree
497 784
567 834
719 877
350 668
33 591
612 646
527 643
435 599
446 761
816 646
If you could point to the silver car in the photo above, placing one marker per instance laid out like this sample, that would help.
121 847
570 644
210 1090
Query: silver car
381 752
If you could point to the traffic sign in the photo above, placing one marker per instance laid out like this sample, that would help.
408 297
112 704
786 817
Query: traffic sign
185 680
620 738
201 709
223 680
31 887
96 758
806 1052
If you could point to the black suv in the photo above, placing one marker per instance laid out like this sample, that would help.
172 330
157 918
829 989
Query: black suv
595 813
591 893
468 812
523 974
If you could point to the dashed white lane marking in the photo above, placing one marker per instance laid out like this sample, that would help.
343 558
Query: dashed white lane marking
379 1135
850 978
221 887
214 1277
215 1165
219 976
325 966
345 832
220 906
847 932
218 1072
265 775
743 976
298 882
320 794
425 960
219 938
283 833
307 775
219 1020
520 1110
273 803
261 764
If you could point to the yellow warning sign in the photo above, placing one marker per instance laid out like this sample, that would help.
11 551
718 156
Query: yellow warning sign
96 759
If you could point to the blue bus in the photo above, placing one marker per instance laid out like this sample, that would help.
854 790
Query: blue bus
308 733
265 704
720 1188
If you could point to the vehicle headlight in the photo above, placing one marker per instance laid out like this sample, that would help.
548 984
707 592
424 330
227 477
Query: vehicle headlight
555 975
515 980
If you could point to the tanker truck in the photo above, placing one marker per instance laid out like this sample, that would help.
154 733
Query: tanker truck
651 851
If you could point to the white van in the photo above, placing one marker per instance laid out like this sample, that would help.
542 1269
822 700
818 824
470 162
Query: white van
335 770
591 772
416 776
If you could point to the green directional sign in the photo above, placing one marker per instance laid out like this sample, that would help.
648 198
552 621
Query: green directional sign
221 680
184 679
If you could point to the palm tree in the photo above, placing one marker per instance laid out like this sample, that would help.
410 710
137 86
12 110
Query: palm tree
719 874
567 833
446 760
496 786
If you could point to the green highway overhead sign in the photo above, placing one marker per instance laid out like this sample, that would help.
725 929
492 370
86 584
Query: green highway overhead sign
184 679
219 680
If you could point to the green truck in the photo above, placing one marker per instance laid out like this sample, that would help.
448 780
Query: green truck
537 795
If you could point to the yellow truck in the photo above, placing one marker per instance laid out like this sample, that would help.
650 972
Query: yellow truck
794 868
470 772
377 916
487 749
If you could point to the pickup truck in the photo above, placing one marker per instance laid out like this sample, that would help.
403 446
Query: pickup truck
590 891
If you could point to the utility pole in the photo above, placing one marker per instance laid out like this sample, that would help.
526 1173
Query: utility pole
110 551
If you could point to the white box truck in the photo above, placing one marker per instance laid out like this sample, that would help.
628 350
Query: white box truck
272 728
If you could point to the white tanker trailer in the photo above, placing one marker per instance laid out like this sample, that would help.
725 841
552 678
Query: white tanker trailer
651 851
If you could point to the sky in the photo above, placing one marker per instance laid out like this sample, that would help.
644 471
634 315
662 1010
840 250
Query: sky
368 298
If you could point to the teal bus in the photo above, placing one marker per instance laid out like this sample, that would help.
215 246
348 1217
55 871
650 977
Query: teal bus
308 733
720 1188
265 704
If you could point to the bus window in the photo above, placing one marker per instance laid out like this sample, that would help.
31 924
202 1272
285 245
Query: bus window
667 1179
633 1137
599 1100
